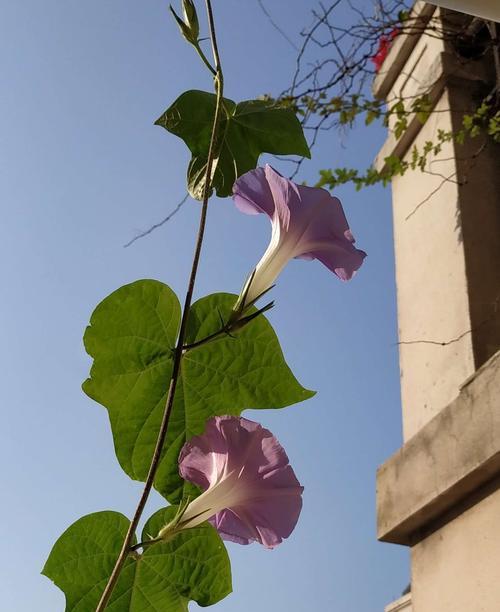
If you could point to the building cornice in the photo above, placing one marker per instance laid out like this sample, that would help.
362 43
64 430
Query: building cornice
450 458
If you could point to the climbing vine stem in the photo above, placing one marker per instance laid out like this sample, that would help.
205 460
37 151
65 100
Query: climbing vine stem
127 547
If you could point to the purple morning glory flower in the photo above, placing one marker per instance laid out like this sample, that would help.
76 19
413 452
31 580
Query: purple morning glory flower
250 490
307 222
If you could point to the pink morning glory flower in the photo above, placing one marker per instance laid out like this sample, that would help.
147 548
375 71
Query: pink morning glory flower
250 490
307 222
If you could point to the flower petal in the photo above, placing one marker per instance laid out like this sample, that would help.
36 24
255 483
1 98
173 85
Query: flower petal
247 481
231 527
307 223
341 257
203 458
262 520
252 195
285 195
321 215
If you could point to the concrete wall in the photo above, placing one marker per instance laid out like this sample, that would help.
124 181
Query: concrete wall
457 567
431 283
446 225
440 493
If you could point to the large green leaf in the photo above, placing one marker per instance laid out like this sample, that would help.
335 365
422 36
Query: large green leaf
192 566
130 337
246 130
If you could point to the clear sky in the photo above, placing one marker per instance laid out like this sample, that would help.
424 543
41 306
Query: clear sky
82 168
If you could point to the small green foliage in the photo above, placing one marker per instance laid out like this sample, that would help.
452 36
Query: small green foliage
460 137
494 127
194 565
131 336
422 107
401 123
347 109
480 120
371 115
395 165
246 130
485 120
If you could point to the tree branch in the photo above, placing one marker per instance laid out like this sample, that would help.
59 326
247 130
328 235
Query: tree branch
276 26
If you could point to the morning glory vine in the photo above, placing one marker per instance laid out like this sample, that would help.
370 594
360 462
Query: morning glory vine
191 25
175 380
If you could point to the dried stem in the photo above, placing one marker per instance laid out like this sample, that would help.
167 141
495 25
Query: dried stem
127 544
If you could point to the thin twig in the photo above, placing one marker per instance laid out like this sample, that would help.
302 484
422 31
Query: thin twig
435 342
447 179
336 62
159 224
276 26
125 550
459 337
431 194
470 160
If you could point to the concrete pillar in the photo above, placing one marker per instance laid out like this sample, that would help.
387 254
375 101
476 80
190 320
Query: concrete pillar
440 493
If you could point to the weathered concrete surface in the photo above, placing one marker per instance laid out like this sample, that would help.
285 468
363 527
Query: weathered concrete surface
431 282
456 569
457 452
446 224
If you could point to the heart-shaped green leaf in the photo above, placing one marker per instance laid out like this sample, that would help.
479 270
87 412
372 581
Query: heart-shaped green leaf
130 337
245 131
194 565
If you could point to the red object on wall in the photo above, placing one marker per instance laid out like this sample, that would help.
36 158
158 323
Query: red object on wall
384 45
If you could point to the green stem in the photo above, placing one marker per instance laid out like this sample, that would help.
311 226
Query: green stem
226 330
204 58
125 550
233 325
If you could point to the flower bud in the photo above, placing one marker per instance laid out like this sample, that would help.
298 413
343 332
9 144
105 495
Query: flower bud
191 18
190 28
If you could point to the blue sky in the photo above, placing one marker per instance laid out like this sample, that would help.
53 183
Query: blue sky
82 168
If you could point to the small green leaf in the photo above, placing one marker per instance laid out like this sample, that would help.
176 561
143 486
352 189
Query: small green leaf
371 115
192 566
400 127
245 131
130 338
